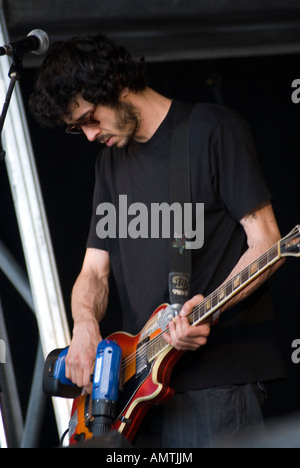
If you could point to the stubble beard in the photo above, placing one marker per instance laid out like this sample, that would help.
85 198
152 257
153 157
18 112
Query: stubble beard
127 122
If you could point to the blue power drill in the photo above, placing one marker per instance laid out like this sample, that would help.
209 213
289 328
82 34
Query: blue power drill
105 386
105 382
55 382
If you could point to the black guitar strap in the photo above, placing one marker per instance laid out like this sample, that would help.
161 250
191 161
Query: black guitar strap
180 256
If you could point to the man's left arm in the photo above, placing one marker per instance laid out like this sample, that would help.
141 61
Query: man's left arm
262 233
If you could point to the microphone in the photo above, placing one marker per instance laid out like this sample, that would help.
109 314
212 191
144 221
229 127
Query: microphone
105 386
37 42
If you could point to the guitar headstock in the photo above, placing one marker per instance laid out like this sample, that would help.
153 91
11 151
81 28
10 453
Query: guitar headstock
290 245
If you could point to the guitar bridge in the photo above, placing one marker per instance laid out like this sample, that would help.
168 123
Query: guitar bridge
142 362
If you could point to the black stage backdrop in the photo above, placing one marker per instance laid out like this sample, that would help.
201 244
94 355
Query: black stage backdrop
260 88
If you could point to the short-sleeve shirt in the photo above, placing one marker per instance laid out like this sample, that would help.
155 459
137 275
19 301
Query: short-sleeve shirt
227 180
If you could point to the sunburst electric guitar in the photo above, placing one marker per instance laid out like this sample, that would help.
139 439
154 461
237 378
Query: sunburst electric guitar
147 359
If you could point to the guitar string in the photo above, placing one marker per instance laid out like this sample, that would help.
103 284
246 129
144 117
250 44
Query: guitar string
142 351
197 309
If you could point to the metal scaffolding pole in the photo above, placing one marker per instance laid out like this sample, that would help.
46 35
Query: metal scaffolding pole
37 400
12 412
32 221
36 406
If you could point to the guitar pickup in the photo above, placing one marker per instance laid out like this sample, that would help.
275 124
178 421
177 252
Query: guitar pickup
142 362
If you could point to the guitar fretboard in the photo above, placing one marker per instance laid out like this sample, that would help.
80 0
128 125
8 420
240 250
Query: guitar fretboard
224 293
217 299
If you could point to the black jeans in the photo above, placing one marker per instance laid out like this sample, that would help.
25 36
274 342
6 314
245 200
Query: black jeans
212 417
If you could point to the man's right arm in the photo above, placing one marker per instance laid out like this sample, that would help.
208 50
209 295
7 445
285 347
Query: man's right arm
89 303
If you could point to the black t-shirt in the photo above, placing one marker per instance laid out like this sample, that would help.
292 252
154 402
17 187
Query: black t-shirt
226 178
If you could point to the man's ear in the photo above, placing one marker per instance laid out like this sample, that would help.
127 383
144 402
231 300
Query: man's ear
124 93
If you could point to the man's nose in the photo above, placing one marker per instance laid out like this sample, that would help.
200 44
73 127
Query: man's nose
91 133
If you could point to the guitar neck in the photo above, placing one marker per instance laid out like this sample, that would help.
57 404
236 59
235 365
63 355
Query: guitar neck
221 296
287 246
232 287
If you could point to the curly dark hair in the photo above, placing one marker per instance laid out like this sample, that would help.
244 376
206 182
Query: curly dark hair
91 65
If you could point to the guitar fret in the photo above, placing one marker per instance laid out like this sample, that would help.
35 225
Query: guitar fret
197 314
253 268
263 261
271 255
203 310
245 275
221 294
236 282
214 300
228 288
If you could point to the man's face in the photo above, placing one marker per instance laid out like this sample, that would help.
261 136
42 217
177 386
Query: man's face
113 126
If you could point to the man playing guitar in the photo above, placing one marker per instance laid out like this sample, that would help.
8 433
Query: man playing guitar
94 88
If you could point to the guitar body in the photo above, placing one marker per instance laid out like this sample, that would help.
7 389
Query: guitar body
143 383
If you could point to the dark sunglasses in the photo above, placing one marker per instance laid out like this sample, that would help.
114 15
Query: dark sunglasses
76 129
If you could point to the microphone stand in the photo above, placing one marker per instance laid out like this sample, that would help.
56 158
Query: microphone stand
14 74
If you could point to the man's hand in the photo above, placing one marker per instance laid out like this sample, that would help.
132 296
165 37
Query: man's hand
89 302
184 337
81 356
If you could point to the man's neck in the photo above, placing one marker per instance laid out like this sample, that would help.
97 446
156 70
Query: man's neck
152 108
